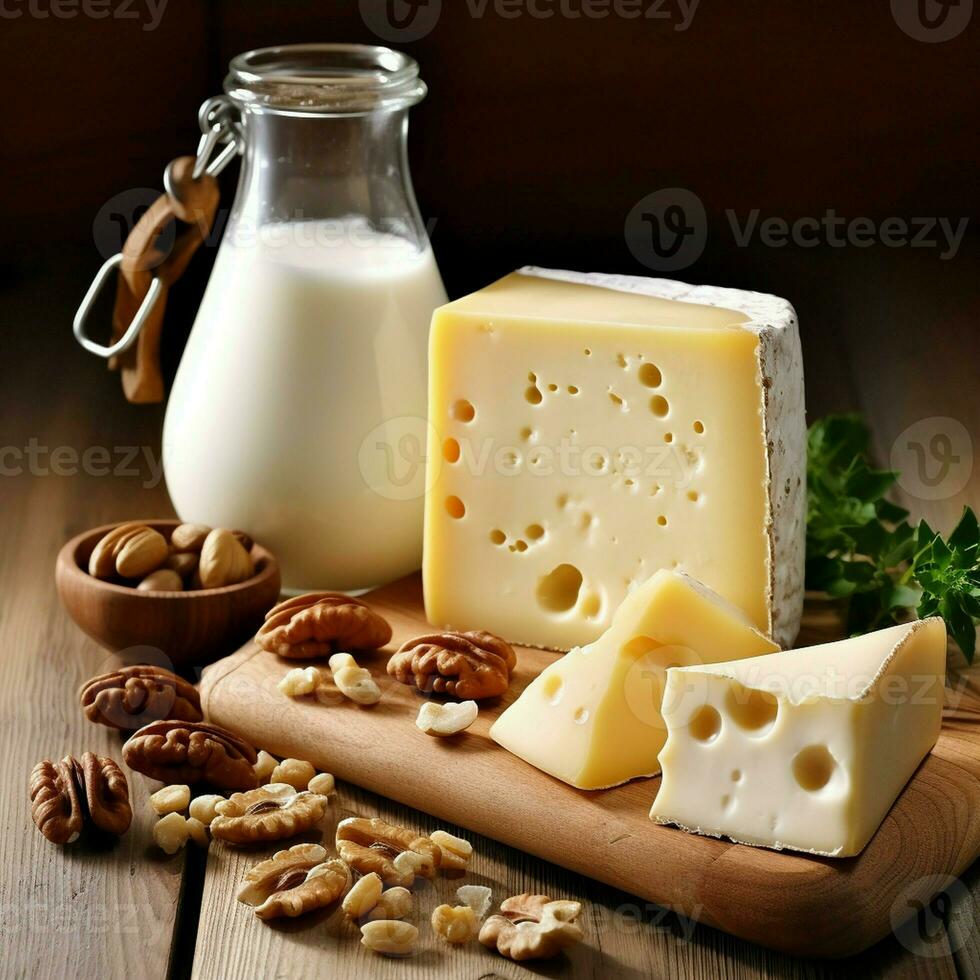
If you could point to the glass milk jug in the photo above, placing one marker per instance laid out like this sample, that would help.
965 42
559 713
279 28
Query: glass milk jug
298 409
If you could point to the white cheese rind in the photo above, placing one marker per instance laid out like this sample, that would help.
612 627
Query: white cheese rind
805 750
783 415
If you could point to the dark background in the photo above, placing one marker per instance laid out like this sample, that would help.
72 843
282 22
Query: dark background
537 139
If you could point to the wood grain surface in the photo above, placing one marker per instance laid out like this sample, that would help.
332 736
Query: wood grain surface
891 335
779 900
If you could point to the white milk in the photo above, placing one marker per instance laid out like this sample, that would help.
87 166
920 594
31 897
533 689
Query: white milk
309 337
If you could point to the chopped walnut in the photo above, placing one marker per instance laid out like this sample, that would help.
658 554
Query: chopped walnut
357 684
204 808
322 783
300 681
456 852
171 799
397 855
171 833
296 772
390 937
198 832
295 881
455 925
477 897
363 896
271 812
264 766
471 666
317 625
532 927
395 903
445 720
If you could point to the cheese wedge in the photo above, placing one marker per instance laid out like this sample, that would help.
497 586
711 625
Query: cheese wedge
592 719
806 749
588 430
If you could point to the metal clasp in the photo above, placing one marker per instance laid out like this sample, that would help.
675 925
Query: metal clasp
132 331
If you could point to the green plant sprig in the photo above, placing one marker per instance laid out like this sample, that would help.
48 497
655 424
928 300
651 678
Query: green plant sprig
861 548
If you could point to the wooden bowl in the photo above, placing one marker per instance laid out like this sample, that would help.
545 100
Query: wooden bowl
189 627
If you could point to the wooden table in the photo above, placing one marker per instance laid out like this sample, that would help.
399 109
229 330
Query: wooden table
894 335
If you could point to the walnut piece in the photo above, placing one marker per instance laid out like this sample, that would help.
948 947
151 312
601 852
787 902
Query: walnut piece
470 666
446 720
223 561
131 697
317 625
477 897
373 845
67 795
455 925
357 685
197 831
171 833
300 681
322 783
270 812
191 752
265 765
395 903
131 550
532 927
390 937
296 772
204 808
295 881
171 799
363 896
456 852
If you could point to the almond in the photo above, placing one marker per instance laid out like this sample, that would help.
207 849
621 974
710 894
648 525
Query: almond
189 537
223 560
142 552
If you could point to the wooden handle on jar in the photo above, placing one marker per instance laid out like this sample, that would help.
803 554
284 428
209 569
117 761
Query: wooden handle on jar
148 255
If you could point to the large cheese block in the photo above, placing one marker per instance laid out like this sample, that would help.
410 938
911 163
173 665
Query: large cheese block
806 749
593 718
588 430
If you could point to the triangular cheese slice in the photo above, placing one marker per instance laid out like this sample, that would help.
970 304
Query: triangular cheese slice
806 749
593 718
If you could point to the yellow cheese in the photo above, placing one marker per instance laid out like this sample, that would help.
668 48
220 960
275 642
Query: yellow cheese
590 430
593 718
806 749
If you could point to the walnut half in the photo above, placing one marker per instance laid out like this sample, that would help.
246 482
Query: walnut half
470 666
319 624
373 845
270 812
294 882
66 795
532 927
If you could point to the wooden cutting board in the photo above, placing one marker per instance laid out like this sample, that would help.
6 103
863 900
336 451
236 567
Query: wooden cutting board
803 905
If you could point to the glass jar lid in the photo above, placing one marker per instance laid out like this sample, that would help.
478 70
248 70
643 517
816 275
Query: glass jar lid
325 79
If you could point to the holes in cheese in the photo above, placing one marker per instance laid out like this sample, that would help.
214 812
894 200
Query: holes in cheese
705 723
593 718
455 507
450 451
753 711
534 531
650 375
463 411
558 590
497 536
660 406
699 427
815 744
533 396
813 767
